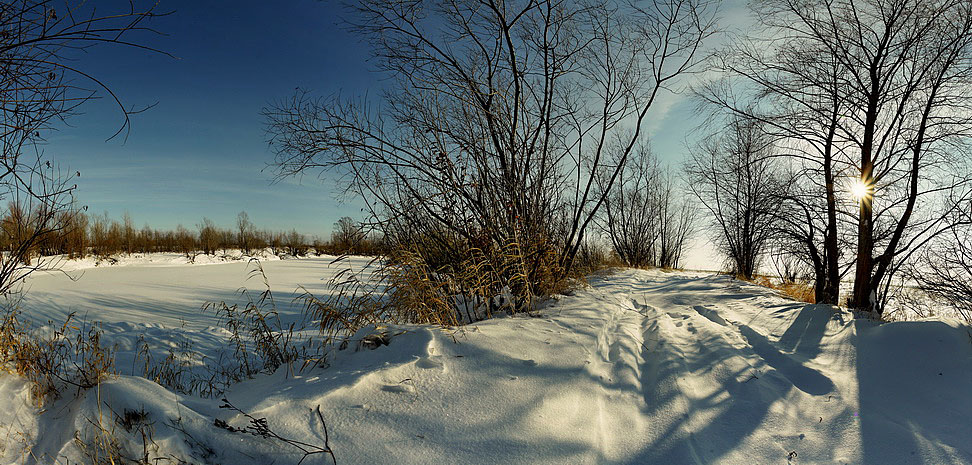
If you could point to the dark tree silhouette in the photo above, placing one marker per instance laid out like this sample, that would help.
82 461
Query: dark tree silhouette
734 176
497 121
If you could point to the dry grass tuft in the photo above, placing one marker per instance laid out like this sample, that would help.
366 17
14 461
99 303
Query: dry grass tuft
70 356
262 342
405 287
800 292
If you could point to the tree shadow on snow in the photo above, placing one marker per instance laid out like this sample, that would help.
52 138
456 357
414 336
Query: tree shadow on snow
915 392
753 377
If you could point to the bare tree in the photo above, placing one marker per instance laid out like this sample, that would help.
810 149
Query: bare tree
244 231
677 221
794 88
733 175
499 118
880 86
644 216
296 243
276 241
128 233
186 243
75 237
146 239
789 266
630 211
208 236
347 235
944 269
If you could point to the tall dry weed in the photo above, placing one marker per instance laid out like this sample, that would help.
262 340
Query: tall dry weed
404 287
68 356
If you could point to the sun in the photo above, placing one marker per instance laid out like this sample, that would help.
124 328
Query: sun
861 190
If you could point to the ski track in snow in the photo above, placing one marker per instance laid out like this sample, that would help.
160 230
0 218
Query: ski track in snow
643 367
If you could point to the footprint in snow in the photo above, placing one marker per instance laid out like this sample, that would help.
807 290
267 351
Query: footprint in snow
429 362
398 388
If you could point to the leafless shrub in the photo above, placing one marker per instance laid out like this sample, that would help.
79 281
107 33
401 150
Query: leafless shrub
244 232
296 243
789 268
944 272
347 236
630 213
403 287
74 240
480 149
733 174
208 236
647 221
186 243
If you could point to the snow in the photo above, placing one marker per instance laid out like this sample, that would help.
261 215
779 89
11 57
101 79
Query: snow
640 367
162 289
157 259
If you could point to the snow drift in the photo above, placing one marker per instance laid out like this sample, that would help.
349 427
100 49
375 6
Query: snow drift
641 367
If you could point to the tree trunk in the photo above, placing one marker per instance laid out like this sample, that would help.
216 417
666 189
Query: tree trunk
863 288
861 299
830 293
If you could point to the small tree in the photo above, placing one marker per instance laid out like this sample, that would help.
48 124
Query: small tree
645 217
76 234
944 270
226 239
17 230
186 242
630 212
128 233
208 236
296 243
276 241
676 222
732 174
146 239
244 229
106 235
347 235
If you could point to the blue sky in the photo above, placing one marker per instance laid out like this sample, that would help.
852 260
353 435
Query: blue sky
202 151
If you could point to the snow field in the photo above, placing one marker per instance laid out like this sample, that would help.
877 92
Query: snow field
642 367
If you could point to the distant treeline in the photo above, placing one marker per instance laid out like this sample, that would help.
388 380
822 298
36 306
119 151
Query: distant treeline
76 234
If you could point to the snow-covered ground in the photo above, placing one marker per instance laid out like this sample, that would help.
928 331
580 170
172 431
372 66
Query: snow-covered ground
156 259
642 367
163 289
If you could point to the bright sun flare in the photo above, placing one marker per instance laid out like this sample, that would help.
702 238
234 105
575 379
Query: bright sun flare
860 190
